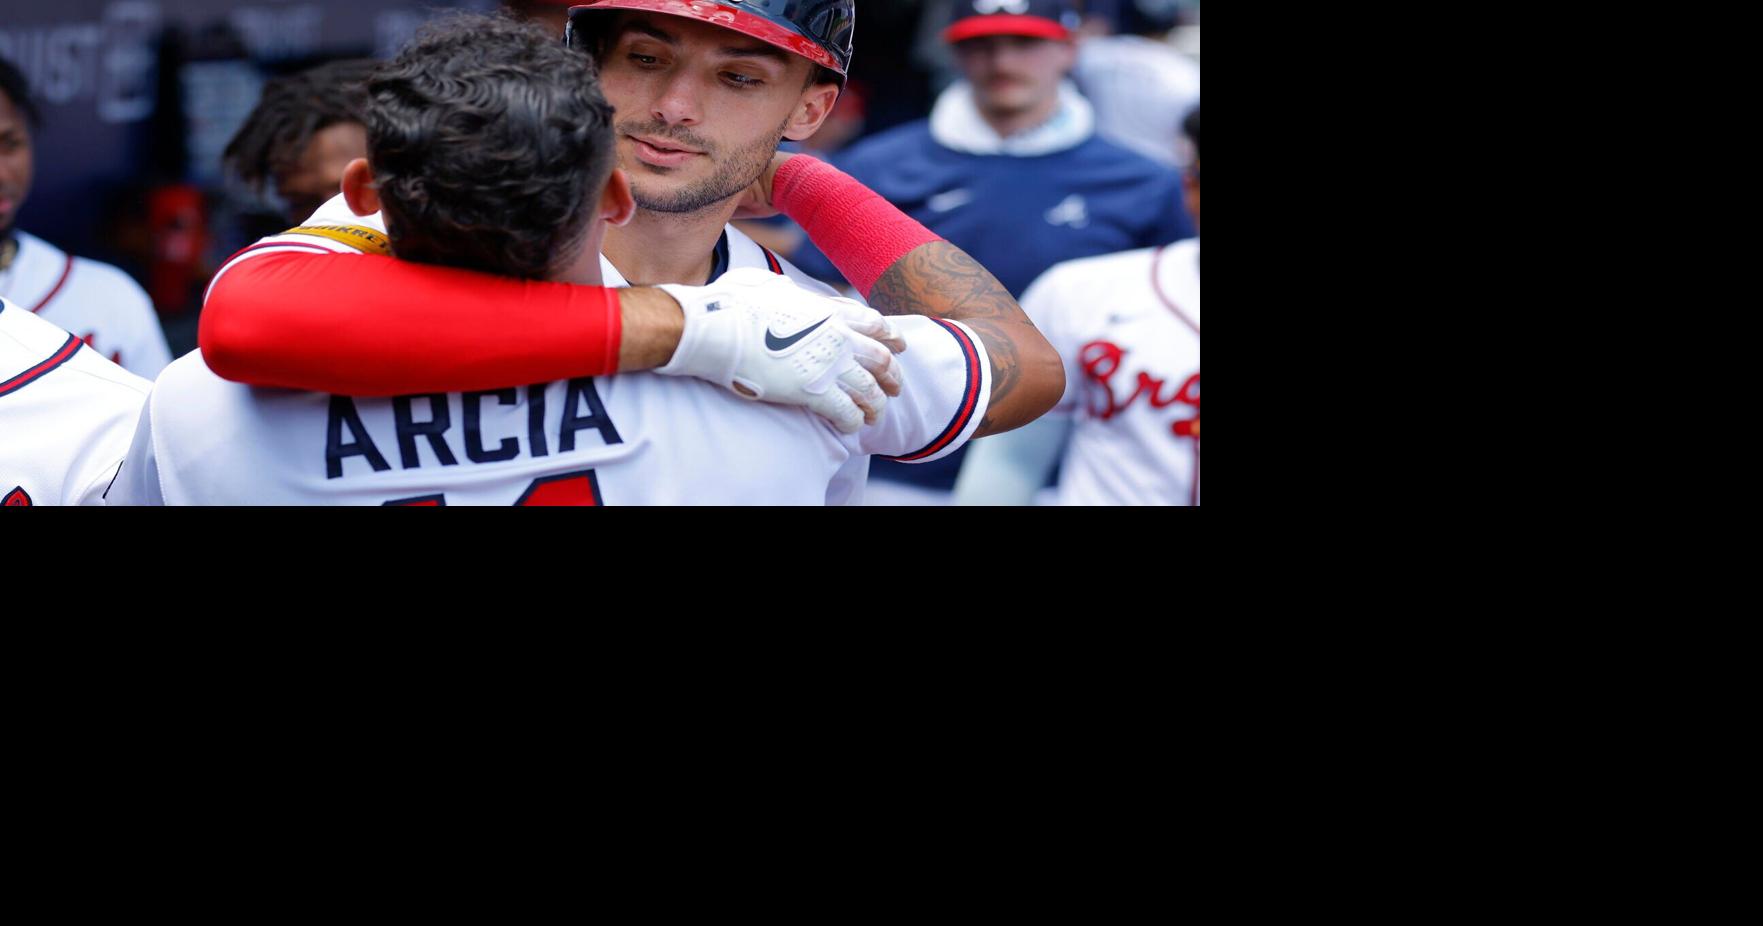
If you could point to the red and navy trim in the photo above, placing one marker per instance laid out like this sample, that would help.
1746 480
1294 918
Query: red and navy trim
61 356
772 261
969 399
66 274
17 498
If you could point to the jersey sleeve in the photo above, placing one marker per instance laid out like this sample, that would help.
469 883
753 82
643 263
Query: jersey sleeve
947 389
137 483
322 308
1051 304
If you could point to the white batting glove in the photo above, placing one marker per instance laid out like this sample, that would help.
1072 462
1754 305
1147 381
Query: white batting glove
767 339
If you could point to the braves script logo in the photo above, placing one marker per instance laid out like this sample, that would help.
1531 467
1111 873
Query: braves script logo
17 498
1102 360
990 7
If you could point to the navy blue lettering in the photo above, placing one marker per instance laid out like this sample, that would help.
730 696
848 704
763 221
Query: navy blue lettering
343 414
474 436
535 420
433 429
597 419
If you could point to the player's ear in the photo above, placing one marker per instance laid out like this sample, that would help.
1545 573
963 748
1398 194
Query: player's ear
358 188
617 205
812 111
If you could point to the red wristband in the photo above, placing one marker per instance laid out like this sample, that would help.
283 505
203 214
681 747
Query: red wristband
859 231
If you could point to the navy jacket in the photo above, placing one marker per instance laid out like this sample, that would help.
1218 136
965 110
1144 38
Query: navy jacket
1017 216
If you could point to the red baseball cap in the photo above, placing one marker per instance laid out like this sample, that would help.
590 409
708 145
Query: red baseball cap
1039 19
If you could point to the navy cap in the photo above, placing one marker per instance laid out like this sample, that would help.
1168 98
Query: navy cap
1040 19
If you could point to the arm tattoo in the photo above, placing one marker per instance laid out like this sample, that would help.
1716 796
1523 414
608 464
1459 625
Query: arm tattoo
942 281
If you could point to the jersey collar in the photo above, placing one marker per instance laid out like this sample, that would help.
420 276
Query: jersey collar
719 265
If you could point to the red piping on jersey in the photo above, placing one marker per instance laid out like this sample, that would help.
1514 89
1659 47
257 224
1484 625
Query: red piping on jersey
969 402
771 259
1157 287
264 246
228 264
66 272
64 354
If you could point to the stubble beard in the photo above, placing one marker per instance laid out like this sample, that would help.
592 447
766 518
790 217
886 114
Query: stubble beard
734 173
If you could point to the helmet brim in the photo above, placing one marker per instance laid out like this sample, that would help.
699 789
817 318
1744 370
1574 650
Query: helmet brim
747 23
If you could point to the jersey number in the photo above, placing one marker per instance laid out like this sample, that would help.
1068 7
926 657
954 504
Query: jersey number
571 490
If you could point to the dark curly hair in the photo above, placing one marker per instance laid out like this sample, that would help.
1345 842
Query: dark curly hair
490 143
18 89
293 109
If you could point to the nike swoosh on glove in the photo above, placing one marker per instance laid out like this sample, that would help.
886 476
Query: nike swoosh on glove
834 356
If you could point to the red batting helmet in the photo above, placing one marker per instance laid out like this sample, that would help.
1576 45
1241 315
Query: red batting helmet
819 30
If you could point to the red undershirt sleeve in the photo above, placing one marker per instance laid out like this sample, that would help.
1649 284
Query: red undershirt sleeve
364 325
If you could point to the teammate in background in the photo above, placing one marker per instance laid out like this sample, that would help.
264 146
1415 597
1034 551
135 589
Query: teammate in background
1009 168
704 94
66 415
492 148
101 304
1139 84
304 131
1128 326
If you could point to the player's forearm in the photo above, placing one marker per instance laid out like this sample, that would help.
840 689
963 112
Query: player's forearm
652 323
941 280
395 328
905 269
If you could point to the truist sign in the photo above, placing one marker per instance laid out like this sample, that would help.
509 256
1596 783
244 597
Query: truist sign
104 60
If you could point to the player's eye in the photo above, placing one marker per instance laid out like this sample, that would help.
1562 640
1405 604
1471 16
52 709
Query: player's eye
742 81
647 61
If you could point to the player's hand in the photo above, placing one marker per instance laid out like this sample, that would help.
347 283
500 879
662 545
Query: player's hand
756 201
767 339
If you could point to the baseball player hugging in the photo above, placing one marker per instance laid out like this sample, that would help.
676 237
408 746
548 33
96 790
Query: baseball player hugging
492 150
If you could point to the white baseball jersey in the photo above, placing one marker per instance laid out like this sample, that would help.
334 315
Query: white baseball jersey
630 439
66 414
1128 326
98 302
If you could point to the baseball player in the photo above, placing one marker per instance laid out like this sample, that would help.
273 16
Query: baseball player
493 148
1009 168
302 133
1128 326
66 414
704 93
100 303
